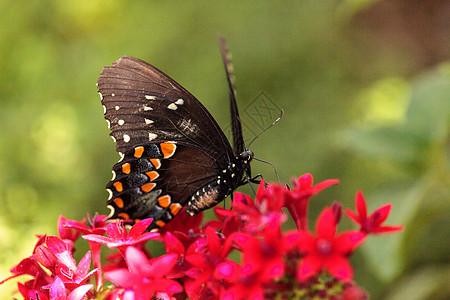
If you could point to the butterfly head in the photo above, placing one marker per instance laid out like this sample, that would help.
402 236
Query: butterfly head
246 156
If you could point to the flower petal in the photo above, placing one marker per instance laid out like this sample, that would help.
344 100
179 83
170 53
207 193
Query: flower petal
326 224
121 277
162 265
79 292
360 205
309 266
166 285
306 242
339 267
84 265
348 241
380 215
214 242
227 270
136 259
58 290
138 228
386 229
97 238
173 244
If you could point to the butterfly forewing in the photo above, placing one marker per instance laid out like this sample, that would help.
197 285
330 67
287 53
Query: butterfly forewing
145 105
173 153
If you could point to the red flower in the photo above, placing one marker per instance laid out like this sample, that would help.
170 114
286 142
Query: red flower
145 277
246 282
205 255
255 215
371 224
325 250
263 262
265 255
118 237
297 199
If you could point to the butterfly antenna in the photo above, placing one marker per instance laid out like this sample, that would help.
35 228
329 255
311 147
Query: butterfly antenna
267 162
268 127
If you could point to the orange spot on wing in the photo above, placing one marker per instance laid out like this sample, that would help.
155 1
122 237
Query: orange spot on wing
118 186
160 223
137 220
164 201
152 175
148 187
126 168
175 208
138 151
156 162
168 149
118 202
124 215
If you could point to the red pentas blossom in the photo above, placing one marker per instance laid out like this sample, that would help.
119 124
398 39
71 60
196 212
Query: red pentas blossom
297 200
243 254
326 250
371 224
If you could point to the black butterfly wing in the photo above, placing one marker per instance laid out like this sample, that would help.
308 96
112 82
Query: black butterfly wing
238 140
171 147
142 104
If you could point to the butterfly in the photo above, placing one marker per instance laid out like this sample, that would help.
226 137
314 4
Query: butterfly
173 152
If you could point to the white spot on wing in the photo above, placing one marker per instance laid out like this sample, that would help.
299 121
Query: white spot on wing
113 94
147 107
104 109
113 138
148 121
121 122
101 96
111 212
152 136
110 194
109 124
126 138
114 175
172 106
121 156
150 97
117 107
179 102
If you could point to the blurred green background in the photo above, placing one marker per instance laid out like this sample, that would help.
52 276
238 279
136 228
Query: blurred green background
365 86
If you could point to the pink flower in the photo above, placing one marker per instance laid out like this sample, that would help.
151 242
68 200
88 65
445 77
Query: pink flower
326 250
297 200
145 277
118 237
58 291
64 266
371 224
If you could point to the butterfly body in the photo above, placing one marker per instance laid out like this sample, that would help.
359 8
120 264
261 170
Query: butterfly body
173 153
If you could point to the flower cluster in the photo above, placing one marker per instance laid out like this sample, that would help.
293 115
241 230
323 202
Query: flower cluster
244 254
